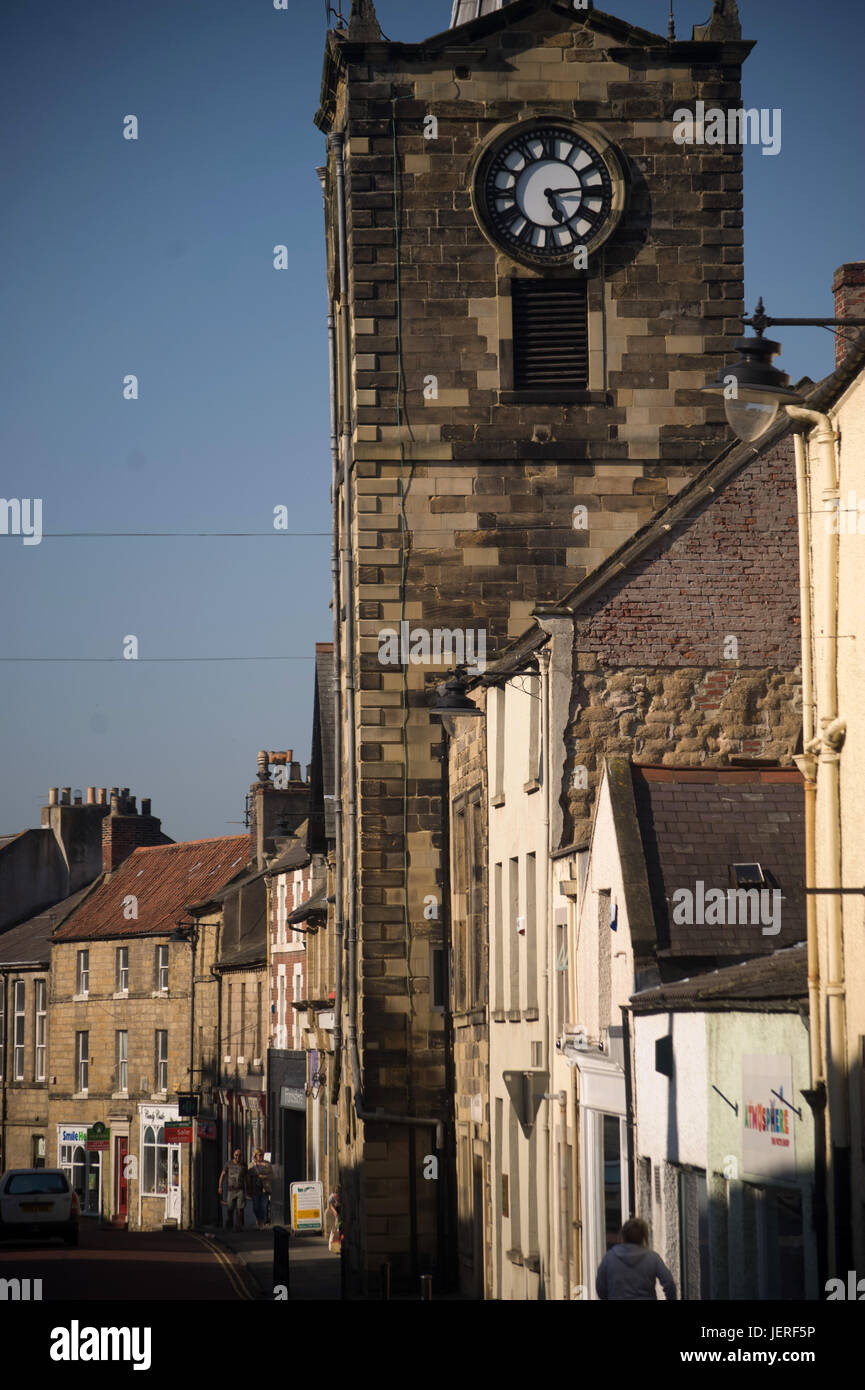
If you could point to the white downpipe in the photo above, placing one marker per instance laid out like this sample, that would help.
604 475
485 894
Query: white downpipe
829 742
544 663
807 763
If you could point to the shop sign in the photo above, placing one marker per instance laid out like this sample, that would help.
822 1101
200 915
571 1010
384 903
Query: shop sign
178 1132
292 1098
98 1136
207 1129
768 1119
307 1206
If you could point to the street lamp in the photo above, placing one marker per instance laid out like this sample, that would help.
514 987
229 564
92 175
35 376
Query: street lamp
753 390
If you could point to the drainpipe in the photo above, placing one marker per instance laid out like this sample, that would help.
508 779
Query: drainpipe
828 744
337 143
807 765
565 1189
544 663
336 685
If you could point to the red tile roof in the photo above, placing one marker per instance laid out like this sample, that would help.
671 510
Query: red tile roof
164 879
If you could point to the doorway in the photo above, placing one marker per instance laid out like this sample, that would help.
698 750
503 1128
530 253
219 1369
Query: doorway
121 1186
172 1196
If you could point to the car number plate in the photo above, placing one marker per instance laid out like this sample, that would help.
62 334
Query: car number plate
36 1206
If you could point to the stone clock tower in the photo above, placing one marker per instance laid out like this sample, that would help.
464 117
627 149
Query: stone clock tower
529 283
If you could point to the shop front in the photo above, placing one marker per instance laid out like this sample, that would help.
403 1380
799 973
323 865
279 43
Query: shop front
160 1186
82 1166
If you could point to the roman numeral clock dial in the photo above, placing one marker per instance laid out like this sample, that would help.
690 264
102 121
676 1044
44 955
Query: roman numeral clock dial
544 189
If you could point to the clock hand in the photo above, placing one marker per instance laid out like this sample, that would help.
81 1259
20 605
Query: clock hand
551 195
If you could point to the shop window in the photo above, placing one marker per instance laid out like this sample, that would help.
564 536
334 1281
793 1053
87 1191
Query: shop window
154 1165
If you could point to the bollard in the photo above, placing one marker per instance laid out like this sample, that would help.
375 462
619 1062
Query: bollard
281 1271
426 1287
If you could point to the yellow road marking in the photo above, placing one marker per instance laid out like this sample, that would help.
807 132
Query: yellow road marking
226 1263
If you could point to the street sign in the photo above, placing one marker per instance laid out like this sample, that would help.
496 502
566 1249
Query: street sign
292 1098
307 1206
178 1132
187 1104
98 1136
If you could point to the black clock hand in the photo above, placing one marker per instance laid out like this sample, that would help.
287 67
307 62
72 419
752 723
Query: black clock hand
551 195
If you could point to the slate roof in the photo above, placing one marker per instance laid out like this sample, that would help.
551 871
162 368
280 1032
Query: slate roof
695 823
30 942
297 856
771 984
314 906
164 879
322 820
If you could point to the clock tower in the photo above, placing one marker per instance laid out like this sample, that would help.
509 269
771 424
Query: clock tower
529 282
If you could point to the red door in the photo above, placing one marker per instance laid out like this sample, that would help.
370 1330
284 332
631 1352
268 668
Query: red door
121 1148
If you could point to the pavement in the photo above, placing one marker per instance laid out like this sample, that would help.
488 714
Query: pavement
314 1272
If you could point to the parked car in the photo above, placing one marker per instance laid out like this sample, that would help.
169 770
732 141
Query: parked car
38 1202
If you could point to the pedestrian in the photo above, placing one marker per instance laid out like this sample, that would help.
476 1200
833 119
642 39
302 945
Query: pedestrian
234 1184
260 1183
336 1236
628 1271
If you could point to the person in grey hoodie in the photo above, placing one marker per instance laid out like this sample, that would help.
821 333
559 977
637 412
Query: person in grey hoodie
628 1271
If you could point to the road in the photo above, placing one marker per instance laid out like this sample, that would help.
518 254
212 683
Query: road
115 1264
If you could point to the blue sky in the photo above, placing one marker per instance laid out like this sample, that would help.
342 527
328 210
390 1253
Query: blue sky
154 257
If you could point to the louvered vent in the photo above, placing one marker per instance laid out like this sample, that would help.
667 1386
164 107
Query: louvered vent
551 347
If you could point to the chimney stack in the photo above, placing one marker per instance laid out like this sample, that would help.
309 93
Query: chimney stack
124 830
848 287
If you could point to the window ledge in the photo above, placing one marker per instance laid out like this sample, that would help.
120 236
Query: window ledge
498 1015
533 1263
560 397
80 998
515 1257
120 994
119 1095
514 1015
530 1015
532 786
159 994
80 1095
498 799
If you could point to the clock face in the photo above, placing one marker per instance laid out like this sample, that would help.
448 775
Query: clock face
544 190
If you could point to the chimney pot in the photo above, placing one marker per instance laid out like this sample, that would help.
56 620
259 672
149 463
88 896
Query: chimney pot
124 792
77 799
103 796
294 775
91 796
115 791
145 805
263 772
115 802
848 286
53 793
65 794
